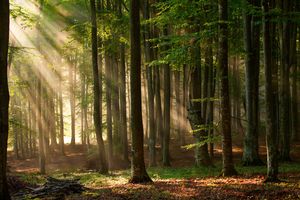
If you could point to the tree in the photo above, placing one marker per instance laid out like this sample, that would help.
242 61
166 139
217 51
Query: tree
271 95
228 167
4 96
284 106
252 47
41 139
72 100
195 112
97 117
139 174
167 107
150 85
61 120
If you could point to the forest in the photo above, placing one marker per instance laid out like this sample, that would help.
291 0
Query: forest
149 99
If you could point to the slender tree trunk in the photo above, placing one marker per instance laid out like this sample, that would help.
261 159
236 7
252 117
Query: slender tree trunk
228 167
195 112
97 98
52 121
139 174
184 101
271 95
294 107
72 102
284 106
123 104
167 106
4 96
115 106
179 117
61 120
108 108
158 107
150 86
83 138
252 46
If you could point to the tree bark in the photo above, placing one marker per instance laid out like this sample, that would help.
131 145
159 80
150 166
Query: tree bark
228 167
139 174
284 106
271 95
252 46
61 120
150 86
108 108
72 102
97 100
4 96
195 112
167 105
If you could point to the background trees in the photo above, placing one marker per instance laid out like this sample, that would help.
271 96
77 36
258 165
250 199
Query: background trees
75 81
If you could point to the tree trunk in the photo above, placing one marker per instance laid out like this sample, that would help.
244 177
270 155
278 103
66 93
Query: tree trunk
179 117
83 105
72 102
284 106
97 98
61 120
4 96
123 105
115 105
252 46
271 95
150 86
108 108
228 167
167 105
139 174
195 112
294 107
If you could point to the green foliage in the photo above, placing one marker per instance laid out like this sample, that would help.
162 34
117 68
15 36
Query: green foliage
204 140
27 19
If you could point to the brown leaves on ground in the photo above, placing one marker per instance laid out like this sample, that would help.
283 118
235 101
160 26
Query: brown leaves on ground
208 188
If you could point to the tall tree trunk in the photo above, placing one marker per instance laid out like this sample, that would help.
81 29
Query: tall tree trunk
42 157
83 138
252 46
179 117
52 121
167 106
123 104
72 101
139 174
210 96
4 96
228 167
195 114
97 100
108 108
115 105
158 107
61 120
185 86
295 86
284 106
150 85
271 95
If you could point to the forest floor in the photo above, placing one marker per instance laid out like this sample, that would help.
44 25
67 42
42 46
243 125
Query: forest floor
182 181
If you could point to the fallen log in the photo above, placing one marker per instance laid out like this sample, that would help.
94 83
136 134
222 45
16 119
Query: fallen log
52 189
